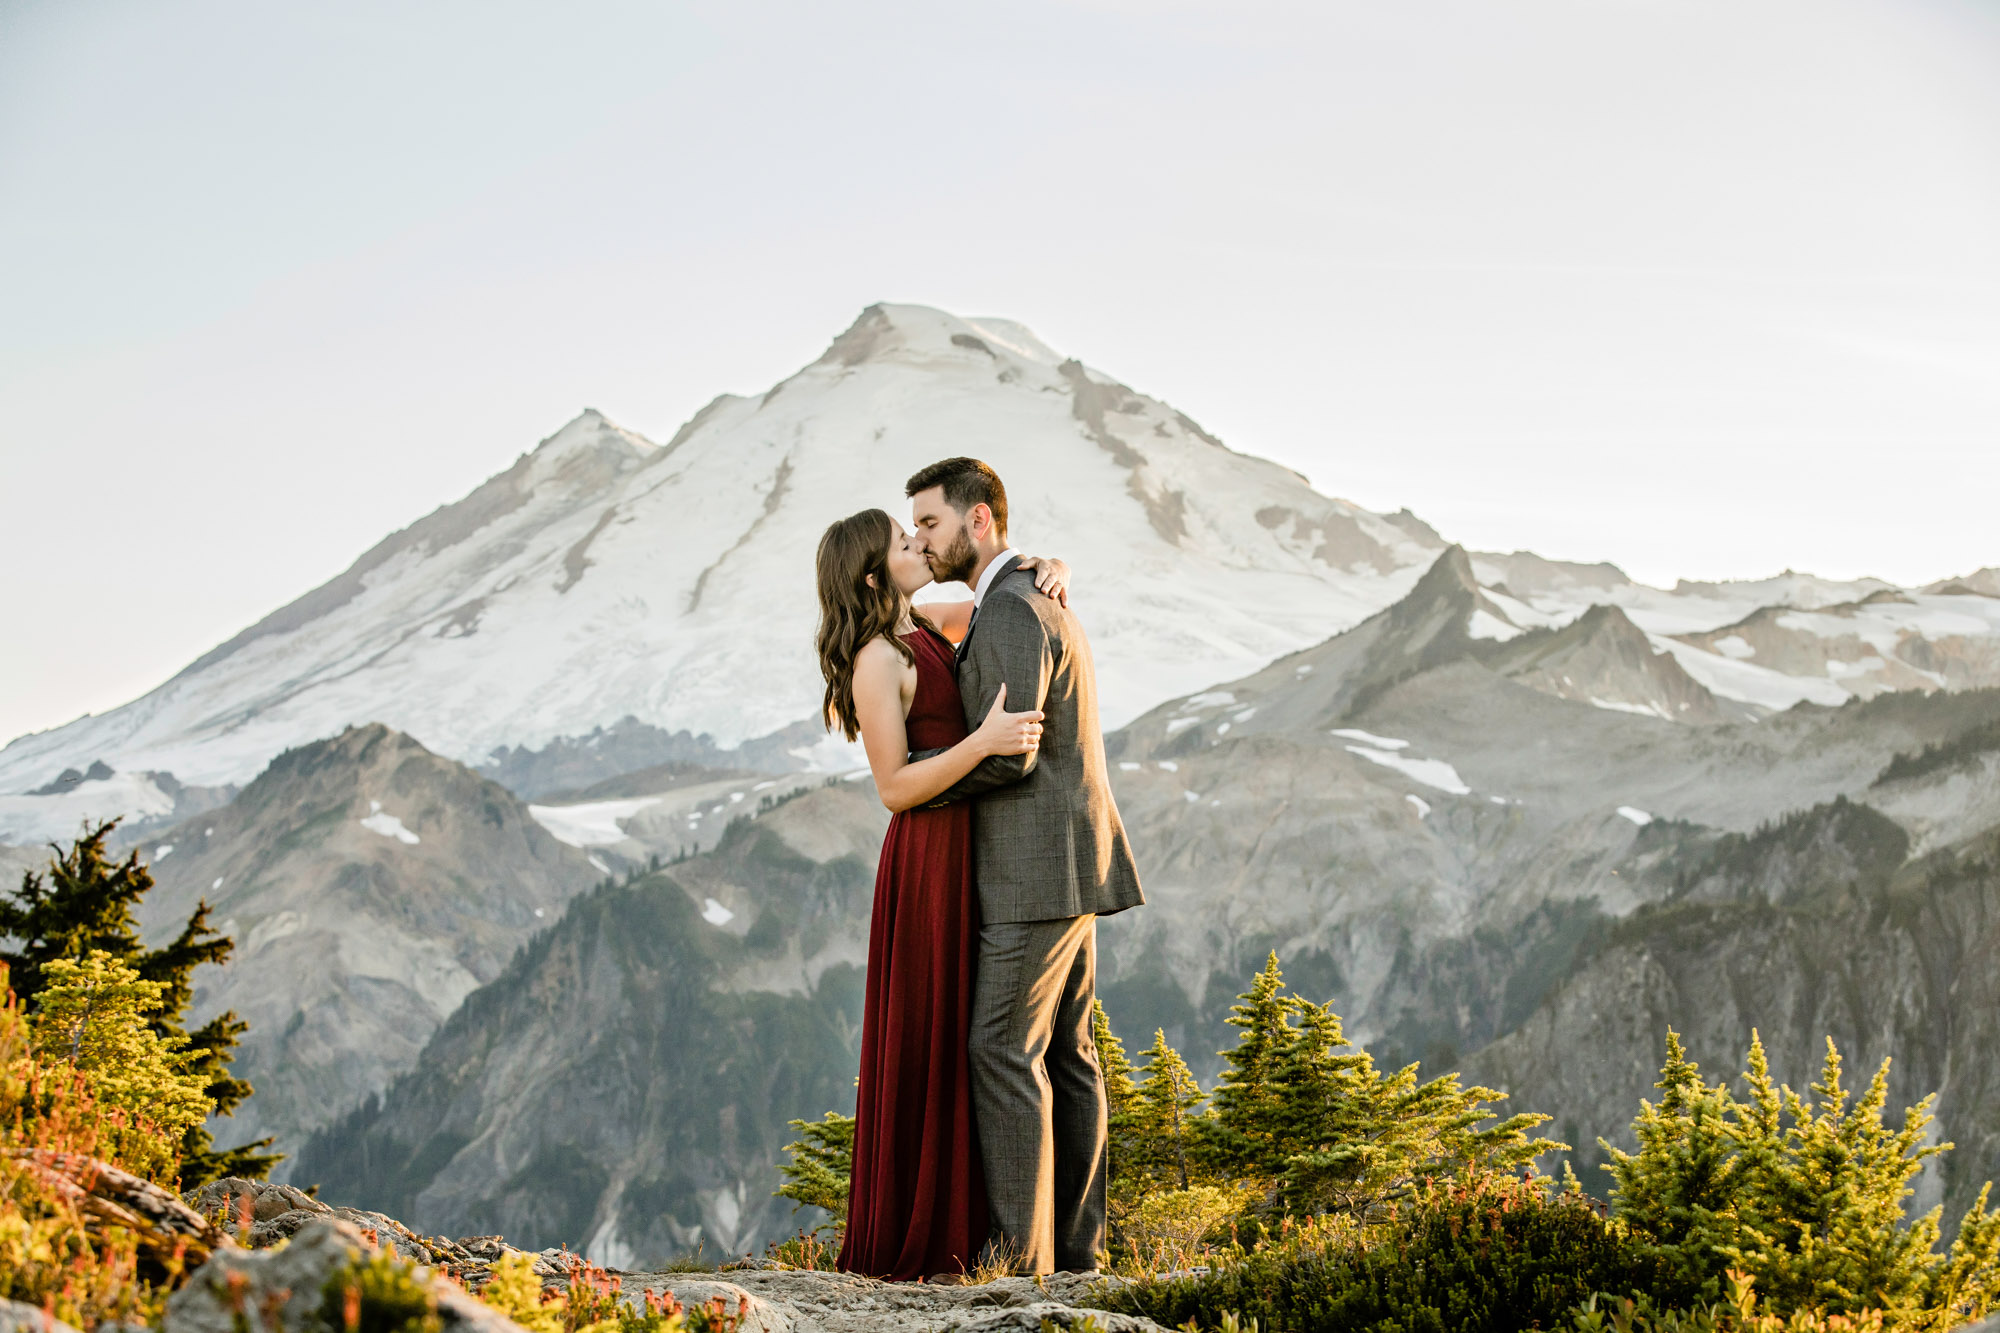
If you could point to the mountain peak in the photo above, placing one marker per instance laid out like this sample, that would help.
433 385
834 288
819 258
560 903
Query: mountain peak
1603 659
884 331
591 429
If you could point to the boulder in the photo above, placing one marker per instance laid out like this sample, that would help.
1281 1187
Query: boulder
225 1201
792 1301
265 1291
19 1317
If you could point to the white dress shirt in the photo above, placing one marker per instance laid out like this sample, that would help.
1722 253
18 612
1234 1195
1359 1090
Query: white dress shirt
992 573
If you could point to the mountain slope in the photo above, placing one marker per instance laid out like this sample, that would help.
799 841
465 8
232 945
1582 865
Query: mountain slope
369 885
1811 929
1406 787
628 1079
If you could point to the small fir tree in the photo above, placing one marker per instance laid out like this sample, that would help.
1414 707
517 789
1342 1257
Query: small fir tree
1679 1190
1353 1138
822 1162
86 903
1308 1118
1246 1096
1121 1103
1168 1106
1804 1197
93 1018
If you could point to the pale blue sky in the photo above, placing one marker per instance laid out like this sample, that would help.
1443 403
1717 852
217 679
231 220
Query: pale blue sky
1704 287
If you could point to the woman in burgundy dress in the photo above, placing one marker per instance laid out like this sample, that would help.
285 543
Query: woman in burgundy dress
917 1201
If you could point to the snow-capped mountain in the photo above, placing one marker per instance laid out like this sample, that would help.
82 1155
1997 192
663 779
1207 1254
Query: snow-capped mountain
603 577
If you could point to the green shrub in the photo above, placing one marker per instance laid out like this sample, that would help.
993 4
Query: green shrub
92 1018
1805 1197
594 1302
806 1252
515 1290
822 1162
1492 1255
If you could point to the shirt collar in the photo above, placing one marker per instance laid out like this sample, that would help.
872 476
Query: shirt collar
992 573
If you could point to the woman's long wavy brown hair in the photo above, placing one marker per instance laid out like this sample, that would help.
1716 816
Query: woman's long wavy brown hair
851 613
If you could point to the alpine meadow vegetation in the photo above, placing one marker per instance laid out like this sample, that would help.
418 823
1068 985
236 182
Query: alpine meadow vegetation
1311 1190
83 905
97 1065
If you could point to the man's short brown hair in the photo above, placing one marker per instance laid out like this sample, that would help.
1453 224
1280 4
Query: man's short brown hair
967 482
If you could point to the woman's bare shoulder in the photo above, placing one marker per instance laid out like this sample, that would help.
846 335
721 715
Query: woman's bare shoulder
879 654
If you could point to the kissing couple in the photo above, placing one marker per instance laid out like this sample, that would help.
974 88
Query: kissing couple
979 1132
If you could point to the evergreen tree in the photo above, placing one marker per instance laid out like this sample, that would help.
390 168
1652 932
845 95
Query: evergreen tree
1679 1190
1167 1106
821 1166
1804 1196
1309 1117
1121 1094
1246 1099
1324 1116
84 904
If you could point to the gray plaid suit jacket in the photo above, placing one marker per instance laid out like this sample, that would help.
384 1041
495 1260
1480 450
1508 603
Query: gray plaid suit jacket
1047 840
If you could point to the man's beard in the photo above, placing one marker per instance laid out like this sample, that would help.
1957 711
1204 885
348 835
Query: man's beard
954 564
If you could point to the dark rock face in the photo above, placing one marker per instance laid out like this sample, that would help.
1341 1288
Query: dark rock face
1888 964
625 1085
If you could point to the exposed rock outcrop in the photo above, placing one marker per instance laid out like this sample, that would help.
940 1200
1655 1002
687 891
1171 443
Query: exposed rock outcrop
273 1289
270 1287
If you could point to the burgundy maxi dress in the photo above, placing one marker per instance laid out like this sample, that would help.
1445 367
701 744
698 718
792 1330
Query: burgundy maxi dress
917 1204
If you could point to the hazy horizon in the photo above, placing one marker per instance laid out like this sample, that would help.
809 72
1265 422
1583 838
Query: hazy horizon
1706 291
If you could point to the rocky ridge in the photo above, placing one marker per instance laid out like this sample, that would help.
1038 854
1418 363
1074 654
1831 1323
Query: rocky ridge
626 1082
370 885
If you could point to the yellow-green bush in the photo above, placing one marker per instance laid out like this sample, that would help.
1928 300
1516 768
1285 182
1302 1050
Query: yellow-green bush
91 1018
48 1257
1803 1194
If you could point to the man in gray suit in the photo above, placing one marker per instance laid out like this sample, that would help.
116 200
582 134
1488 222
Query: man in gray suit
1050 857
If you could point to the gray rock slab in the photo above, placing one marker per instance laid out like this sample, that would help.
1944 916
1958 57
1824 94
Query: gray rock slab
803 1302
225 1200
282 1288
20 1317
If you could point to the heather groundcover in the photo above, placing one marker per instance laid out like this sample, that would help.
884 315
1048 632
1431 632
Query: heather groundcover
1487 1256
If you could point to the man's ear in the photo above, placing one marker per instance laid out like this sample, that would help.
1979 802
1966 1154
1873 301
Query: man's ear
982 521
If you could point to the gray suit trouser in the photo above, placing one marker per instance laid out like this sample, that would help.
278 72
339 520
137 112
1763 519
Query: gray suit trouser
1037 1094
